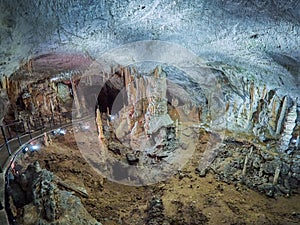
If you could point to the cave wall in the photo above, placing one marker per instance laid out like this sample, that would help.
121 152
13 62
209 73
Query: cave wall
255 44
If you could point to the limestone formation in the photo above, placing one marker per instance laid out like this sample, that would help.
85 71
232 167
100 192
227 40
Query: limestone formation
258 168
36 192
243 83
265 114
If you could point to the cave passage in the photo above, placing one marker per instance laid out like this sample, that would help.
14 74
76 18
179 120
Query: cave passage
108 95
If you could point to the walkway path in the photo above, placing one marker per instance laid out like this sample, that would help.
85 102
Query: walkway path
11 148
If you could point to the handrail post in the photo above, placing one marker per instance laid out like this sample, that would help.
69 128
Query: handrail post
24 129
29 127
8 130
6 141
41 124
50 121
17 132
59 119
34 122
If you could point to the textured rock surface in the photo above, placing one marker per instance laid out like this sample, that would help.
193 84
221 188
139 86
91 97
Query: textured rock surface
254 43
186 198
260 36
259 168
36 193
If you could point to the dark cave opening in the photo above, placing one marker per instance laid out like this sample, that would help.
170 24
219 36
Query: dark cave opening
107 96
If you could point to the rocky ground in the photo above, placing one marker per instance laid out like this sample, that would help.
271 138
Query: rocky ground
185 198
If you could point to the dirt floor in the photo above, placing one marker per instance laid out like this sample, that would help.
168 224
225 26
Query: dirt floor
185 198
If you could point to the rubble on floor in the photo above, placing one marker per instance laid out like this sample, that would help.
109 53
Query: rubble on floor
258 168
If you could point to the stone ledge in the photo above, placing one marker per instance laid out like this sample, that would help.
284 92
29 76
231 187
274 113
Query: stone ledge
3 215
3 218
2 188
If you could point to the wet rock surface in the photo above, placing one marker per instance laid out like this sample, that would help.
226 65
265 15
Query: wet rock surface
37 199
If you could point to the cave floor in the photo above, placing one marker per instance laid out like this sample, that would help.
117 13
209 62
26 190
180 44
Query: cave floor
186 197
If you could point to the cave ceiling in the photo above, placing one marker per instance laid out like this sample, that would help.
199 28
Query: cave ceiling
259 38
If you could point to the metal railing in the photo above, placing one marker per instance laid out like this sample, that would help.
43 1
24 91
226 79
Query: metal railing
15 142
14 134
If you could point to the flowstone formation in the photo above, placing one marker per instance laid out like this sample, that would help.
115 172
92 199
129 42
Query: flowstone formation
262 147
35 198
44 86
149 126
147 117
144 123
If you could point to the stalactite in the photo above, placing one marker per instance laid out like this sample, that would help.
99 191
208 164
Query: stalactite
30 66
264 92
251 90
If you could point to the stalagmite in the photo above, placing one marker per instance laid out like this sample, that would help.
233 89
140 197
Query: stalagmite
289 125
51 106
194 113
76 100
176 128
245 166
46 143
174 101
276 175
246 161
282 116
5 83
156 73
47 139
227 106
99 126
273 113
264 92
